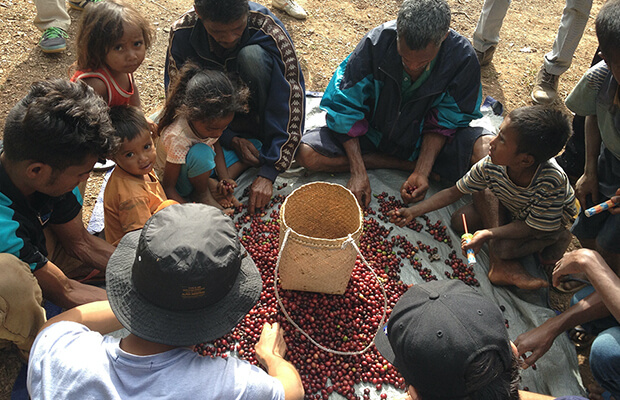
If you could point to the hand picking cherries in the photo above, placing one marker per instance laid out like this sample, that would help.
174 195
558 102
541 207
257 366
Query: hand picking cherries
345 322
411 189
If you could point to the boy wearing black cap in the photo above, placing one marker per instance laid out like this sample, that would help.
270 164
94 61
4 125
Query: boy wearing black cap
449 342
169 293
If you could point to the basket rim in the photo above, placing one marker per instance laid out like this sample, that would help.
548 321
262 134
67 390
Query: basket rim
343 238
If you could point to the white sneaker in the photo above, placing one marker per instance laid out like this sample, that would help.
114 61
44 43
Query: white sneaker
104 167
291 8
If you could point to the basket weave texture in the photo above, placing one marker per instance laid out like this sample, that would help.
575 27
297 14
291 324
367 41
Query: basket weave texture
321 216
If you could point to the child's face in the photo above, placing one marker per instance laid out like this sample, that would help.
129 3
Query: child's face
211 128
137 156
503 148
127 55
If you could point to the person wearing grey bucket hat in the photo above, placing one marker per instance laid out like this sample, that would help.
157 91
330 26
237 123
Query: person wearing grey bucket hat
183 279
449 342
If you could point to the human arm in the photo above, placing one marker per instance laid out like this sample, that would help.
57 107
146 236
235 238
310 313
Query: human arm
65 292
98 86
359 183
432 143
245 150
601 276
169 181
78 243
512 230
270 352
539 340
527 395
587 184
96 316
439 200
226 185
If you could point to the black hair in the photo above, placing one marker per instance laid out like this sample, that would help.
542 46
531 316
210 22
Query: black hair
59 123
542 131
223 11
485 384
608 29
128 122
202 94
421 22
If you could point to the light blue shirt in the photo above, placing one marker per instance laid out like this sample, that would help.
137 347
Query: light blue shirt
70 362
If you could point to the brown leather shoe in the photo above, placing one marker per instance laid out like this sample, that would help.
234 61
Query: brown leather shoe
485 57
546 87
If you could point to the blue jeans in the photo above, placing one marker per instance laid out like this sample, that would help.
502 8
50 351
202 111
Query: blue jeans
605 351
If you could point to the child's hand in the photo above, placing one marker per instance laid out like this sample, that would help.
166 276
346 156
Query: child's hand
271 343
616 199
228 211
414 188
152 126
401 217
586 185
226 186
476 243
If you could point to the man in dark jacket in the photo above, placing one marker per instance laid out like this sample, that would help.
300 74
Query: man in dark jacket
403 99
246 38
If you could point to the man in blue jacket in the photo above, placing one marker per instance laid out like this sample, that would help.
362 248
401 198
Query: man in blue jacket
403 100
246 38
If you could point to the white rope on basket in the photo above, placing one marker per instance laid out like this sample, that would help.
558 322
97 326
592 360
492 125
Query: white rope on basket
348 241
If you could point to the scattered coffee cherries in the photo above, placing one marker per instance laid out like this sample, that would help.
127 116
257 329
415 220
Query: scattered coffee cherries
345 322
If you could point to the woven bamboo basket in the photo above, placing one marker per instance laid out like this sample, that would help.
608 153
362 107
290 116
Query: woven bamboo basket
320 216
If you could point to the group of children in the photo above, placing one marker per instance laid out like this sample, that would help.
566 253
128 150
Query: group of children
157 163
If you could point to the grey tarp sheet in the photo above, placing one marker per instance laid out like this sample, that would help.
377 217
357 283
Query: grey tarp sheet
557 372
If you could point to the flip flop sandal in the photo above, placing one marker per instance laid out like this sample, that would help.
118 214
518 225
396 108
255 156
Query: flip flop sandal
580 337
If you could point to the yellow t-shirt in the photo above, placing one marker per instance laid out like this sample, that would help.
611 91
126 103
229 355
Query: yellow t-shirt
128 202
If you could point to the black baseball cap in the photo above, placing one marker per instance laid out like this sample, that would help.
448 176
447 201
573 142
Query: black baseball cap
436 330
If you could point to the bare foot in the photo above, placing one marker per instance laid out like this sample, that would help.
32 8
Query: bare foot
235 202
511 272
226 201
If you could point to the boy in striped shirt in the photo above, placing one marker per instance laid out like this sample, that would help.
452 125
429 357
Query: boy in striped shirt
528 201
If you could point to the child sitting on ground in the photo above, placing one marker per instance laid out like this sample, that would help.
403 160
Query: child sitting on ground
133 193
536 201
112 42
597 97
200 105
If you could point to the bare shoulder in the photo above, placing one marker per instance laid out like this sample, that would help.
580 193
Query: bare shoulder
98 86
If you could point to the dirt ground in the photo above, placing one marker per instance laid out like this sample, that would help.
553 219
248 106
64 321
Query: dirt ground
331 32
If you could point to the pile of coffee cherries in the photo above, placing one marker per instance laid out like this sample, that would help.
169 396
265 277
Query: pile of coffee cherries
345 323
